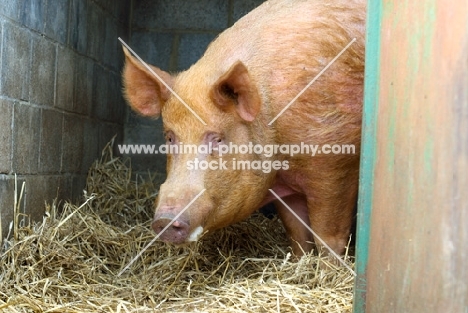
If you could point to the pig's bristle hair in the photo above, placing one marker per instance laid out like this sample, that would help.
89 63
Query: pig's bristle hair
69 262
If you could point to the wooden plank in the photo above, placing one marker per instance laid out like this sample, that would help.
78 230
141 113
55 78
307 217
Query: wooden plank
419 236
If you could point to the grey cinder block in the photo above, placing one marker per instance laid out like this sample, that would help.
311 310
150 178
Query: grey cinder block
100 98
39 190
65 78
6 117
133 119
106 5
42 83
122 32
26 130
141 134
72 143
10 8
83 85
116 101
241 8
106 132
78 184
149 136
110 43
96 31
191 48
1 52
78 25
153 47
56 20
51 141
91 150
32 14
65 191
108 104
181 15
16 54
121 10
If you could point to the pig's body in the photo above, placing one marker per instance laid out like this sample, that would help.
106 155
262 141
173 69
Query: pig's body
245 78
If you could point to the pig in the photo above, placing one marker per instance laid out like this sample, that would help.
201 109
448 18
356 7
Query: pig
247 75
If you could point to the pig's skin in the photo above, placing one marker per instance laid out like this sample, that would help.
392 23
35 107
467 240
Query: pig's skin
245 78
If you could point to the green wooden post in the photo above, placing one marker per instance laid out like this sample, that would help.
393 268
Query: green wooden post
412 244
366 179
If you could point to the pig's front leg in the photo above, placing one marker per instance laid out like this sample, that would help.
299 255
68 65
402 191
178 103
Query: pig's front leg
329 214
299 236
331 211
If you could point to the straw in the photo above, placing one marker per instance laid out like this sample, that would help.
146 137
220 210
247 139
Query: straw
69 261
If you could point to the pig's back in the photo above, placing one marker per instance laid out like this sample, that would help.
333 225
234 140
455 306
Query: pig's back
288 30
285 43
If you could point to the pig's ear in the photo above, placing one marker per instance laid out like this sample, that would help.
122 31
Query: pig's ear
143 91
235 91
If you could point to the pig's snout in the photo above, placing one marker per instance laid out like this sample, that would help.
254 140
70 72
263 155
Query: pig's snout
176 232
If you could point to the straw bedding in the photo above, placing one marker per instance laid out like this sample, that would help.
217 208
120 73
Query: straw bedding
70 261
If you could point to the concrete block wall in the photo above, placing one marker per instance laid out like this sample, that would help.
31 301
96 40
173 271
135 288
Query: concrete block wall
60 95
172 35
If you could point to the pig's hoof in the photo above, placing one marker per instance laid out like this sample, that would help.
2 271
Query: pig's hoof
175 233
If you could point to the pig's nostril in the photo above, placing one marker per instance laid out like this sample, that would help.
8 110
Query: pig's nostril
177 225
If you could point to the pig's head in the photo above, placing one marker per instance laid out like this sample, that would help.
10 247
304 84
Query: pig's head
229 102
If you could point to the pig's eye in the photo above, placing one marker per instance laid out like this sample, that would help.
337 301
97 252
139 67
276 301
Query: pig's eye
215 139
216 142
170 138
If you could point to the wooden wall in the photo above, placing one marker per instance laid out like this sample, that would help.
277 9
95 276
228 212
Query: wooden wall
413 206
